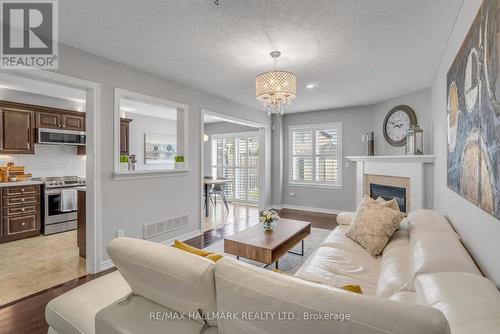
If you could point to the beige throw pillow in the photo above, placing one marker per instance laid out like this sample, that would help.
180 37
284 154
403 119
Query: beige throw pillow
391 204
373 225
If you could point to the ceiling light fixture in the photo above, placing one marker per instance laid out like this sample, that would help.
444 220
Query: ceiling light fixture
311 86
275 89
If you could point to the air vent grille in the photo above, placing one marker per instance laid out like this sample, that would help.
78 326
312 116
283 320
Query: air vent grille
156 229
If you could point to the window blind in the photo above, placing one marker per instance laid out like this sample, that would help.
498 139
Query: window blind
236 157
316 154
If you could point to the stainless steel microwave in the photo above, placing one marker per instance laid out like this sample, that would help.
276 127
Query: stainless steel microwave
61 137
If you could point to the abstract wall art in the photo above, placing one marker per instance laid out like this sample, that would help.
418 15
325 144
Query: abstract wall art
473 113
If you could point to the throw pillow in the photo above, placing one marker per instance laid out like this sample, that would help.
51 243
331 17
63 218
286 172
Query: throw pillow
391 204
373 225
193 250
353 288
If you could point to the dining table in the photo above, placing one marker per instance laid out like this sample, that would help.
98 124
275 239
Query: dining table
207 183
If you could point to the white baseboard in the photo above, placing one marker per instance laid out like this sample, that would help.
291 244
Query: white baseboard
306 208
183 237
107 264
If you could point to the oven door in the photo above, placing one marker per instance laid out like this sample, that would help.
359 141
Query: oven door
61 137
57 209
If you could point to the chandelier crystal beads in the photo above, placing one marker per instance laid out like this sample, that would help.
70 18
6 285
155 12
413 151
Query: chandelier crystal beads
275 89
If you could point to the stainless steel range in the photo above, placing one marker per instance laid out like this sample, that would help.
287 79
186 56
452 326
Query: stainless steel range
60 203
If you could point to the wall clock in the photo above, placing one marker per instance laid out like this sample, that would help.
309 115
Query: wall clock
397 123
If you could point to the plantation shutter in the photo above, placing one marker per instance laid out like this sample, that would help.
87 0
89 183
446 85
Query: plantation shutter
316 154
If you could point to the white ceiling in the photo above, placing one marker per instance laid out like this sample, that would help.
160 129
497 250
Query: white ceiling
356 51
147 109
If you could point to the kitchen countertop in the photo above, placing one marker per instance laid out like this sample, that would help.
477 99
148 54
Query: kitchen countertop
19 183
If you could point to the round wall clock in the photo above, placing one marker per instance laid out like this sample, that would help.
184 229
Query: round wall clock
397 123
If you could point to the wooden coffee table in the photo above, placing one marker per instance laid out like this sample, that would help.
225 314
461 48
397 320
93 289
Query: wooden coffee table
267 247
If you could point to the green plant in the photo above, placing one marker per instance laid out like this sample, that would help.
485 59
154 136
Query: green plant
123 158
179 158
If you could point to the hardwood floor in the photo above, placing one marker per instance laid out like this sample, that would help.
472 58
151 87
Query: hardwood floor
28 314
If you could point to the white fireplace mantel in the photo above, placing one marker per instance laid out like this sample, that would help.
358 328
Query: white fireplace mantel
407 166
394 158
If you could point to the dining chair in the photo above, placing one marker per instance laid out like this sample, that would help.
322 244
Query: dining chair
218 189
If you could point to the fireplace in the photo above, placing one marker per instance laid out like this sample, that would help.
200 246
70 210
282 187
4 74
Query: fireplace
389 192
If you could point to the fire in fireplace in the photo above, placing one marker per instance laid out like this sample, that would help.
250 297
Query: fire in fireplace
388 193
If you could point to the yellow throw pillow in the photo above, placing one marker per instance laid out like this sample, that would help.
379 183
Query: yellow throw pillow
353 288
193 250
392 204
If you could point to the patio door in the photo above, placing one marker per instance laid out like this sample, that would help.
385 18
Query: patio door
236 158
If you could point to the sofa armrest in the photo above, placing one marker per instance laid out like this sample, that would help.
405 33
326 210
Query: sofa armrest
345 218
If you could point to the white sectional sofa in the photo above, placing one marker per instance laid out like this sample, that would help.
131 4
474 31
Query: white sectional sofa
424 282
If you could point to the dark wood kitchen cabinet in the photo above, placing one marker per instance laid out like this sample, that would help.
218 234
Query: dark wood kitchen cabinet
56 119
48 120
17 131
20 212
124 135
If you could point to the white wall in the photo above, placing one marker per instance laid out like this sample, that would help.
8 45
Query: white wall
142 124
480 231
129 204
420 102
49 160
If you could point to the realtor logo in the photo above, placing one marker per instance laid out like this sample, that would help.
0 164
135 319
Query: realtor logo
29 34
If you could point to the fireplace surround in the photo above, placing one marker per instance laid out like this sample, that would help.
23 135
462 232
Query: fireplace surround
413 173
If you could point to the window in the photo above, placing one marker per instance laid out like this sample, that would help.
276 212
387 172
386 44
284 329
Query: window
236 157
316 155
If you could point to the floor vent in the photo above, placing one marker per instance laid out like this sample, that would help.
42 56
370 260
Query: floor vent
169 225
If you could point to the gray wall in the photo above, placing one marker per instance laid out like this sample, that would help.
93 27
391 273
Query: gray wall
129 204
480 231
355 121
219 128
420 102
142 124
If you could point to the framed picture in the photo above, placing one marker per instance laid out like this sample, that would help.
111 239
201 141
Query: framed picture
159 149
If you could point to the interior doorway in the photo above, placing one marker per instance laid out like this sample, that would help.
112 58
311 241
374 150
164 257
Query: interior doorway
232 165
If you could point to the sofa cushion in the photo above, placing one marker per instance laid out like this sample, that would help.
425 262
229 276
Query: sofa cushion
247 289
395 271
404 296
74 311
373 225
433 252
337 268
165 275
345 218
338 239
424 220
139 315
471 303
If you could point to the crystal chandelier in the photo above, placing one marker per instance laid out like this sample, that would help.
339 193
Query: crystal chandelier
275 89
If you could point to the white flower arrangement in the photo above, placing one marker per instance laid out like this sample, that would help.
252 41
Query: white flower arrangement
268 216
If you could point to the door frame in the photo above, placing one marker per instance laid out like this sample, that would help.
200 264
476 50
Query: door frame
264 135
93 156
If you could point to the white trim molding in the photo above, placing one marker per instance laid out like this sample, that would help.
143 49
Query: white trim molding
182 142
148 174
406 166
93 166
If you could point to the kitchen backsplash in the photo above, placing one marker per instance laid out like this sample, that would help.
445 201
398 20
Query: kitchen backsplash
49 160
